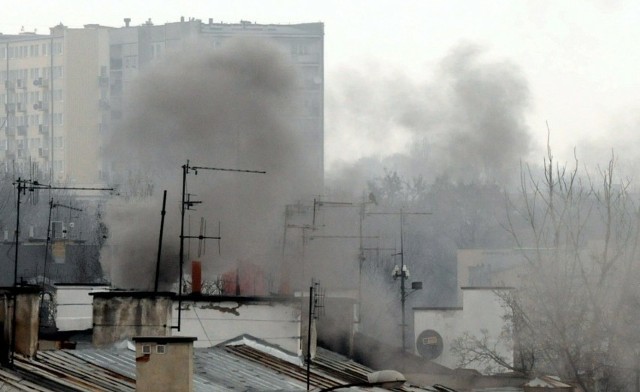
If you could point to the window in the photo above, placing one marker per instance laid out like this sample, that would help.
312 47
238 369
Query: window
44 49
161 349
146 349
58 142
57 119
3 53
58 166
57 72
57 95
57 48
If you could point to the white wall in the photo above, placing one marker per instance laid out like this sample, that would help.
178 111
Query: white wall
74 307
277 323
482 309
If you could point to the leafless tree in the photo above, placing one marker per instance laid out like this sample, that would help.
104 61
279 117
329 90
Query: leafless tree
573 310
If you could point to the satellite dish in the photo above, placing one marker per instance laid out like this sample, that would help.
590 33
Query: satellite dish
429 344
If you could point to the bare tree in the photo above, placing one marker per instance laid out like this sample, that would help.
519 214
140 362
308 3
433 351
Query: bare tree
572 308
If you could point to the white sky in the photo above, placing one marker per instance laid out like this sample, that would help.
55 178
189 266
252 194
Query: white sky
581 58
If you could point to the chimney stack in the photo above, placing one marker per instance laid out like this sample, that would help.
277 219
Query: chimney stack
121 315
196 277
164 363
25 319
127 21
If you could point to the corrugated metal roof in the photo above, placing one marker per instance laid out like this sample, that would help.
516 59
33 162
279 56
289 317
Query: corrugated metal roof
215 369
63 368
239 367
12 382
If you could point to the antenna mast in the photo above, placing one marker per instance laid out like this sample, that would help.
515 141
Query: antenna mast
186 205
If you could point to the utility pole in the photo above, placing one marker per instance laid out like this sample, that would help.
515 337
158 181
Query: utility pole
185 205
403 272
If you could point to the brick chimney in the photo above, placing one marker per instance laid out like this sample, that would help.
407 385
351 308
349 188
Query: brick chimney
164 363
26 320
121 315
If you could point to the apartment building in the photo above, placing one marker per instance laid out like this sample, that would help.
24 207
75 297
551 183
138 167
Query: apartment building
62 93
135 47
54 94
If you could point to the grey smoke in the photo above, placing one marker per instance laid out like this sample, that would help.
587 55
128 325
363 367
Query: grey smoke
231 107
467 122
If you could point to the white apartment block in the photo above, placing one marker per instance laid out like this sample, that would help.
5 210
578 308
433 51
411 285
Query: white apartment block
53 98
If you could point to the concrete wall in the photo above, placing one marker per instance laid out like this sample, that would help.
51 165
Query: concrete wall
482 310
216 319
74 306
119 316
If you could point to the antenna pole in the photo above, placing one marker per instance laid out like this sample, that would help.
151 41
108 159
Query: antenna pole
46 248
164 204
402 273
22 186
185 170
403 276
309 335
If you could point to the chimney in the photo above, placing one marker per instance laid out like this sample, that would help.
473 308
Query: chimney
25 318
127 21
121 315
164 363
196 277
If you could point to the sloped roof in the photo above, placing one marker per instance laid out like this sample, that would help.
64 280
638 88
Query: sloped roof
238 366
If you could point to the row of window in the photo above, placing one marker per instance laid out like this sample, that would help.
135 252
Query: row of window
32 144
31 73
33 50
31 97
31 120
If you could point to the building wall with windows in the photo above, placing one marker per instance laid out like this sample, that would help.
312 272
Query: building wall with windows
51 93
62 93
132 48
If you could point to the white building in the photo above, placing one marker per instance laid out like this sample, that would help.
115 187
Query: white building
481 315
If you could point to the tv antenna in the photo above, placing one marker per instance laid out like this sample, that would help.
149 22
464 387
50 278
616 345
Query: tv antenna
22 187
52 205
187 204
316 309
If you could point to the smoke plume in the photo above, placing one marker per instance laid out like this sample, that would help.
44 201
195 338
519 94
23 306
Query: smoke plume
467 123
231 107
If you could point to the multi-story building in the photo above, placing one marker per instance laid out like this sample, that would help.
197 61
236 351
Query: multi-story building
61 93
53 94
135 47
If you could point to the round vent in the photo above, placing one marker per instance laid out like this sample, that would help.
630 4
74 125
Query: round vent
429 344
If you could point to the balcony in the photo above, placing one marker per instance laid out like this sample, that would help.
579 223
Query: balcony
44 106
41 82
22 130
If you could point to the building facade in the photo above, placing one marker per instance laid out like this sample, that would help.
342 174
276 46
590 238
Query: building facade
63 92
53 99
